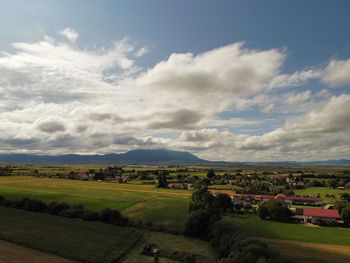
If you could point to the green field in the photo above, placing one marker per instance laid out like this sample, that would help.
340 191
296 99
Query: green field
254 226
69 238
140 202
93 242
314 191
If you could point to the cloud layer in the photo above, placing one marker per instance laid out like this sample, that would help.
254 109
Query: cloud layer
230 103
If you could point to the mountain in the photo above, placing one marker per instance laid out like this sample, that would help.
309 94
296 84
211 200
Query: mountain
149 156
140 156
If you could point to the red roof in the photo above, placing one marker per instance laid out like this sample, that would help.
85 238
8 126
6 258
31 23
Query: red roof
319 212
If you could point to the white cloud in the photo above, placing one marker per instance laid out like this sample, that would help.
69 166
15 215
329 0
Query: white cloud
316 133
57 98
337 73
70 34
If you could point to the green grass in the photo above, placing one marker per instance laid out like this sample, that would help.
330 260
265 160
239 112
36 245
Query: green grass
314 191
254 226
139 202
70 238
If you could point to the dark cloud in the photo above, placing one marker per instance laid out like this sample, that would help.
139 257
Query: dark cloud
181 119
51 126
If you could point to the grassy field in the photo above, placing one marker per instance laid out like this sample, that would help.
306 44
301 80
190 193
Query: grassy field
314 191
167 242
88 241
70 238
254 226
139 202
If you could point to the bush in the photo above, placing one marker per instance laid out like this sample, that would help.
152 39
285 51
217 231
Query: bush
89 216
34 205
275 210
121 221
248 250
71 212
224 235
55 207
222 203
198 223
108 215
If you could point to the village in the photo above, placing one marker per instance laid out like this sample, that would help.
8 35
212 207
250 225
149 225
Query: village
248 190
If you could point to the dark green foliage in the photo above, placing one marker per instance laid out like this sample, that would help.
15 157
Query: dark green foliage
89 216
222 203
73 212
35 205
56 207
201 199
198 223
162 182
345 214
274 209
224 236
210 174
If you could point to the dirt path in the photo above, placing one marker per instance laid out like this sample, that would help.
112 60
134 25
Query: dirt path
311 252
12 253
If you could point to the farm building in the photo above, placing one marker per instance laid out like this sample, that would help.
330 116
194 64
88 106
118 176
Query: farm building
311 215
252 198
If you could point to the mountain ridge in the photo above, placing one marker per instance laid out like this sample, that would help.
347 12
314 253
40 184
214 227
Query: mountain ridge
147 156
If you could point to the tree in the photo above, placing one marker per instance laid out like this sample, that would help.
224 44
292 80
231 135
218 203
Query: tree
198 223
333 183
210 174
222 202
201 199
274 209
162 182
345 214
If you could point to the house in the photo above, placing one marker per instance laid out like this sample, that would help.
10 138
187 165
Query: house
300 200
312 215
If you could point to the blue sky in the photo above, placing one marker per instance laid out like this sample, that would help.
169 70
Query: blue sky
109 76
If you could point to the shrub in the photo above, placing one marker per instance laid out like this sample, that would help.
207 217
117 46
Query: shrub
34 205
224 235
55 207
198 223
89 215
71 212
275 210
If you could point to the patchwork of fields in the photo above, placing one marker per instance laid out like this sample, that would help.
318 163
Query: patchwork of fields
69 238
139 202
90 242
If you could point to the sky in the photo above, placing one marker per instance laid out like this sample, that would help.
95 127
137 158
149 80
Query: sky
226 80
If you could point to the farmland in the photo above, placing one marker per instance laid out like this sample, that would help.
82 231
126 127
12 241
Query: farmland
139 202
254 226
323 191
73 239
89 241
10 252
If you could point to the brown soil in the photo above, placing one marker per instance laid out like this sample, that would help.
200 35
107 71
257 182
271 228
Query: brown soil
12 253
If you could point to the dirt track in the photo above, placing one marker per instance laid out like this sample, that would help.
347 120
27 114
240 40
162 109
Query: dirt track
11 253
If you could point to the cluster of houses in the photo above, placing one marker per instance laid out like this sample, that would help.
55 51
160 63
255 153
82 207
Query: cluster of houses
251 199
307 215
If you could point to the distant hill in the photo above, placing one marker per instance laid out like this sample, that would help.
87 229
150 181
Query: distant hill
148 156
141 156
